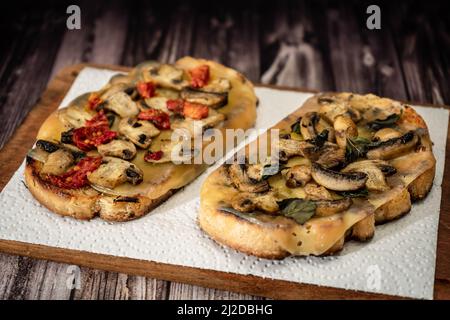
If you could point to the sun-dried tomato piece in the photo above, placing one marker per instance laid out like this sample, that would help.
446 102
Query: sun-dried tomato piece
94 101
146 89
77 176
87 138
175 105
99 119
159 118
199 76
195 111
153 156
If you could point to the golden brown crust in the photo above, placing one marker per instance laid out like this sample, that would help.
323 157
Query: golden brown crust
86 203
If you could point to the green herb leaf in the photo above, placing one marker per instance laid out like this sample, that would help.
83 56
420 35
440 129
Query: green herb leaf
361 193
298 209
385 123
356 148
319 140
296 126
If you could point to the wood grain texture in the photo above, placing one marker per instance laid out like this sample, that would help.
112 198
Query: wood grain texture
322 45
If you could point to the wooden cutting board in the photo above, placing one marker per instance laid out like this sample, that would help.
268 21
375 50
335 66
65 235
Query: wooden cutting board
12 155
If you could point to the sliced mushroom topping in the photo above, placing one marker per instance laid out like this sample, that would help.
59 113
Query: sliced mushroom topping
297 176
374 170
331 110
219 85
312 124
58 162
174 151
328 155
113 172
386 134
261 171
50 147
248 202
344 128
140 132
159 103
325 208
307 125
167 75
338 181
213 119
75 117
289 148
316 192
241 180
394 147
118 148
122 104
211 99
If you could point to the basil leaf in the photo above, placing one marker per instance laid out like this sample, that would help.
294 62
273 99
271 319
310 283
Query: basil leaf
356 148
298 209
296 126
385 123
361 193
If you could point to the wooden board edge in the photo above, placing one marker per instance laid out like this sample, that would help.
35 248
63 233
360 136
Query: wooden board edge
249 284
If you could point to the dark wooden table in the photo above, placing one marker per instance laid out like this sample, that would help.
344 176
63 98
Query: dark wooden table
322 45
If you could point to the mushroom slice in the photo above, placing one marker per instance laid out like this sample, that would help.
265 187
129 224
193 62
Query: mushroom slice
220 85
75 117
338 181
122 104
394 147
113 172
265 169
159 103
328 155
118 148
312 124
316 192
139 132
289 148
344 128
195 127
248 202
307 125
386 134
241 180
374 170
211 99
297 176
167 75
325 208
57 162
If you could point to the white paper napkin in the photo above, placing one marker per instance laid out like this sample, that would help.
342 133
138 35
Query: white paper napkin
399 260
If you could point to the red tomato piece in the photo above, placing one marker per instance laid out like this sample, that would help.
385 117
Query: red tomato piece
87 138
159 118
77 176
99 119
195 111
146 89
175 105
155 156
199 76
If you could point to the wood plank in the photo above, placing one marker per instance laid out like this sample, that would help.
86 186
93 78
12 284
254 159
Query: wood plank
106 285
